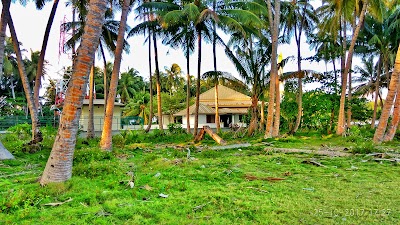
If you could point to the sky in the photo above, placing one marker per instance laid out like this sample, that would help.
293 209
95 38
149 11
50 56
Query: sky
30 25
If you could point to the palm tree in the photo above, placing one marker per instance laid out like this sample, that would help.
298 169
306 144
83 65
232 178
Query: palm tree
393 90
3 27
173 80
273 19
106 136
370 80
36 134
41 62
130 83
299 17
59 165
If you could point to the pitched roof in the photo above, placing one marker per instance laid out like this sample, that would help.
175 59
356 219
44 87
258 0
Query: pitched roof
203 110
226 98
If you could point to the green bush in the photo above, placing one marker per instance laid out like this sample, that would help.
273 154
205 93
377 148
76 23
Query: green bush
90 155
364 148
175 128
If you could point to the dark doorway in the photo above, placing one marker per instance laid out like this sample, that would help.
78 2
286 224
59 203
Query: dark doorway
226 120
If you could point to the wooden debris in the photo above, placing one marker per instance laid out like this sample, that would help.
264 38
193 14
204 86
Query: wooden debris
58 203
316 152
312 162
207 129
252 177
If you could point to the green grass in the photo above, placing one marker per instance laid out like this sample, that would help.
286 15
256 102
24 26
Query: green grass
209 188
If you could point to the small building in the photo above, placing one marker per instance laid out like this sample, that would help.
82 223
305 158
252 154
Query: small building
232 105
98 115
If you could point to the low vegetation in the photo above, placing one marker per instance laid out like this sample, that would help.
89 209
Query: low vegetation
177 181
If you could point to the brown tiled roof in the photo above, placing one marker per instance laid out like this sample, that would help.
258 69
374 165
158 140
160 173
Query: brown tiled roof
226 98
203 110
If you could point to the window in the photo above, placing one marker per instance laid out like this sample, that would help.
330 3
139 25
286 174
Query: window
210 119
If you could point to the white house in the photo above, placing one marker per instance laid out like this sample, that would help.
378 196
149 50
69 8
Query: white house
232 105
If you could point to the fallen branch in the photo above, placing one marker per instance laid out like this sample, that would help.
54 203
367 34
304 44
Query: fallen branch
252 177
316 152
312 162
58 203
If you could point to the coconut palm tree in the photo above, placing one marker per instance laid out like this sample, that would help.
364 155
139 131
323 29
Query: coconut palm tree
271 129
36 134
129 84
299 17
106 135
59 165
3 27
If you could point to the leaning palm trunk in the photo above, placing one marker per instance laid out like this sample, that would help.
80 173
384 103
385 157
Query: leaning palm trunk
40 66
393 89
59 165
106 135
3 28
341 119
36 134
90 129
395 119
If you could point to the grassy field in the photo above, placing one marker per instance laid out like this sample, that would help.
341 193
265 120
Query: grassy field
162 183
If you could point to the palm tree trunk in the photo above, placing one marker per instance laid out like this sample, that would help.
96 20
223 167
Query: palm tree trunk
90 129
3 28
106 136
187 91
275 131
349 97
105 81
393 89
36 134
158 84
394 123
196 115
150 87
378 76
216 108
59 165
40 66
262 120
274 70
341 120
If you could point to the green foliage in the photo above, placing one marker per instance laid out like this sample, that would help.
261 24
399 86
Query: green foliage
175 128
118 141
364 148
89 155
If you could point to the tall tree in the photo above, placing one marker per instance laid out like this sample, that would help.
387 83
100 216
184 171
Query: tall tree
274 18
299 17
36 134
3 28
59 165
41 63
106 136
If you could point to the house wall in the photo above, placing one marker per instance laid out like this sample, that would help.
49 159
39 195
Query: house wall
98 120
